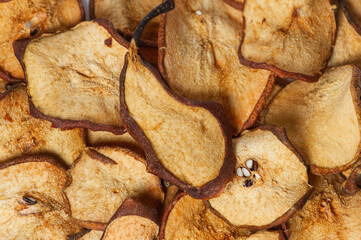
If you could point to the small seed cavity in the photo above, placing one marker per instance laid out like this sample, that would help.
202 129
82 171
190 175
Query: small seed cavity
29 200
254 166
256 176
248 183
239 172
249 164
245 172
199 13
34 32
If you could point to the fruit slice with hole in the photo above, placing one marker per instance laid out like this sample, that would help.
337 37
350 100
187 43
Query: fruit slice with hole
32 204
79 86
294 38
198 58
102 178
269 184
322 119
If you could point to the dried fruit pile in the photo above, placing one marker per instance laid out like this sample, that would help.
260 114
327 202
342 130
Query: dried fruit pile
187 119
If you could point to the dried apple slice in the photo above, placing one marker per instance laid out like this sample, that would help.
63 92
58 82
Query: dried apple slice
353 181
268 172
21 134
327 214
32 204
294 38
103 178
322 119
347 48
78 87
87 235
27 18
198 59
133 220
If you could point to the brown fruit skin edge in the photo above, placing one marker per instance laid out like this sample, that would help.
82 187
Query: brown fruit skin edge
280 133
279 72
351 21
64 124
351 185
212 188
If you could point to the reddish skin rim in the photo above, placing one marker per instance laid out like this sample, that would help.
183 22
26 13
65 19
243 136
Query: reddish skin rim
20 46
210 189
353 183
279 72
351 21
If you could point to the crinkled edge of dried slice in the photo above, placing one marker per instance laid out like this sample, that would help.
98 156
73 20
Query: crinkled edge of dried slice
280 133
63 124
349 18
210 189
279 72
353 183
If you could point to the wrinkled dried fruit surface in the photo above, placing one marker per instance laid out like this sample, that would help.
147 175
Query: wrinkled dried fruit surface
293 38
32 204
78 87
21 134
322 119
199 59
103 178
91 235
264 235
21 19
268 173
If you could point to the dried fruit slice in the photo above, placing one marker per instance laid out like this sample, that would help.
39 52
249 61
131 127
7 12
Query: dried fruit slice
353 181
3 86
347 48
87 235
292 38
21 134
268 172
327 214
32 204
78 87
198 47
27 18
265 235
133 220
322 119
103 178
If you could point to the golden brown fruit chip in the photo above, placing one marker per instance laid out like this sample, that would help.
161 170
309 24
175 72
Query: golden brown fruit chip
87 235
170 192
347 48
73 77
187 143
32 204
292 38
269 184
102 178
21 19
353 180
322 119
21 134
327 214
198 58
133 220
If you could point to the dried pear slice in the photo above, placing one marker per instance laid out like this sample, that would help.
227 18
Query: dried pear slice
102 178
347 48
21 19
21 134
198 59
78 87
133 220
268 172
327 214
322 119
294 39
32 204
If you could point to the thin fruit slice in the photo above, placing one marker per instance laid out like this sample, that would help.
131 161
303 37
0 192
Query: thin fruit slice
21 134
265 235
170 192
292 38
32 204
21 19
78 87
102 178
198 59
269 184
322 119
87 235
353 181
347 48
327 214
133 220
3 86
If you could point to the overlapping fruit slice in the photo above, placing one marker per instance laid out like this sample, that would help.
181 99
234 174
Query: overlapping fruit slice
268 173
102 178
198 58
87 235
32 204
21 134
347 48
322 119
327 214
73 77
21 19
352 183
292 38
3 86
